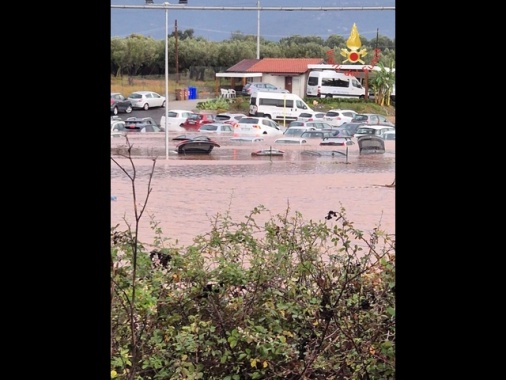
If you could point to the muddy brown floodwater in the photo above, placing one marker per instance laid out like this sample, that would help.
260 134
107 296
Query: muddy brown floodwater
189 191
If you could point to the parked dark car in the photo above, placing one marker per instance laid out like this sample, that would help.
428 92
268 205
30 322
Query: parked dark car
141 124
352 127
341 132
120 104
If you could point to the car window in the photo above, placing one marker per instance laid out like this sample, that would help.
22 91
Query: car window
249 120
319 125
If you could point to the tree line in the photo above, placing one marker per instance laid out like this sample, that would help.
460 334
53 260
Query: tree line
140 55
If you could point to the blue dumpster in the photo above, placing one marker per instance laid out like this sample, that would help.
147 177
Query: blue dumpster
192 92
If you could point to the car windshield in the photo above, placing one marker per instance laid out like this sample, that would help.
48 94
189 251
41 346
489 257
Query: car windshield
360 118
209 127
135 96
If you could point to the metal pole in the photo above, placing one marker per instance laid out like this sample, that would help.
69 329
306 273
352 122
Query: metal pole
258 29
166 81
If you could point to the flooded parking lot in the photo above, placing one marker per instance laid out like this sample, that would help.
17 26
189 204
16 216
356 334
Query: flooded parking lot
189 190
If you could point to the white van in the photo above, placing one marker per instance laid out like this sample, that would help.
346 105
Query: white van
328 83
277 106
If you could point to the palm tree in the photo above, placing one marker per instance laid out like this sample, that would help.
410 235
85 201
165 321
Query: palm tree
383 82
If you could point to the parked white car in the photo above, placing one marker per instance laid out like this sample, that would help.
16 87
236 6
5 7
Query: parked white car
338 117
118 128
311 116
297 131
219 128
176 119
146 100
257 126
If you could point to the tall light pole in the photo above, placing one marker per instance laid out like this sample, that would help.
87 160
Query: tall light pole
258 29
166 81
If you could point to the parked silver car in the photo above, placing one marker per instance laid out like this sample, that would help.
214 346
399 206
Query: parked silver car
252 87
146 100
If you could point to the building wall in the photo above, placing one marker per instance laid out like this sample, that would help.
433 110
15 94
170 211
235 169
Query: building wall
298 83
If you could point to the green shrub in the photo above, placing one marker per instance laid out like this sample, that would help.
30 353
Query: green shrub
284 300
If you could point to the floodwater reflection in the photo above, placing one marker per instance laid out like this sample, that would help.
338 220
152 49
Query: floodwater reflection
187 190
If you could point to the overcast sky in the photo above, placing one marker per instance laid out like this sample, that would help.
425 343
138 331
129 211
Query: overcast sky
219 25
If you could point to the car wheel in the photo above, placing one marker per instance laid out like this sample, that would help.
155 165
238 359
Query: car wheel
115 111
129 109
146 107
163 104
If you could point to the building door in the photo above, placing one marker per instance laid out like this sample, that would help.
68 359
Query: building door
288 83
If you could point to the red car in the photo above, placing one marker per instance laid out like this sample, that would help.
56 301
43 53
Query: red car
196 120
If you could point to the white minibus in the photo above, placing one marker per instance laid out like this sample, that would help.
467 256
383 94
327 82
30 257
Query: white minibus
277 106
328 83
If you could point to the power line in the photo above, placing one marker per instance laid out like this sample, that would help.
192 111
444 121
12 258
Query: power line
288 9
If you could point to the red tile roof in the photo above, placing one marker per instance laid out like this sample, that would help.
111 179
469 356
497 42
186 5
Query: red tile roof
242 66
283 65
274 65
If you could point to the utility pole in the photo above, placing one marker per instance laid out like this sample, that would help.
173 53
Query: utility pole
258 29
177 59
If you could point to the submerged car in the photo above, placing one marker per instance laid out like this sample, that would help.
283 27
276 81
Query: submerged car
175 120
371 118
373 130
141 124
197 120
338 117
257 126
218 128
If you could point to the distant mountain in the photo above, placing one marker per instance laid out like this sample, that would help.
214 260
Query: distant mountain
219 25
